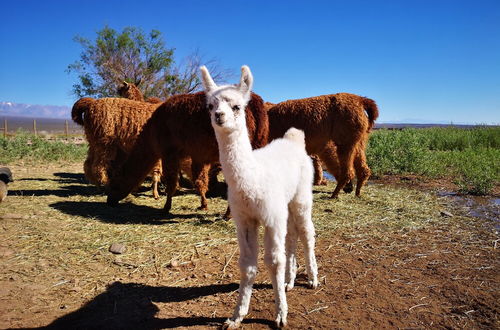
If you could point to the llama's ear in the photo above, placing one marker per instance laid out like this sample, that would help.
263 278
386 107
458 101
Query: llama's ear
246 80
208 82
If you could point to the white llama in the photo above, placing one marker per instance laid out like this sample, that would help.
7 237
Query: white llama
271 186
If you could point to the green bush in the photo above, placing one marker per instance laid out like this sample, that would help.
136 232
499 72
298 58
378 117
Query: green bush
469 156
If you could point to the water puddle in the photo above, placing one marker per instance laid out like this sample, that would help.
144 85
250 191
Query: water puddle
487 208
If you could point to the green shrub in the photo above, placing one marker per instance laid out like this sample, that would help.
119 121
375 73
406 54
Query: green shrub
470 156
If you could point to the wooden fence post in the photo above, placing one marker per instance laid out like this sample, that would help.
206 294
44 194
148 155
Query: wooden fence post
66 130
34 127
5 127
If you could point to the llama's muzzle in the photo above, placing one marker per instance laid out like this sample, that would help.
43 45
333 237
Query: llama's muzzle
220 118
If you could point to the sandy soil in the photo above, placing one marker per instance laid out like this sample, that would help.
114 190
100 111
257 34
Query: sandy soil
445 275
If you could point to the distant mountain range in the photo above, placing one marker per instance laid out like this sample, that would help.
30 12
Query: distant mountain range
10 109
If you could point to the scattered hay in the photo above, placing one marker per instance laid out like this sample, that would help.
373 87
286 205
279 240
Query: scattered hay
59 248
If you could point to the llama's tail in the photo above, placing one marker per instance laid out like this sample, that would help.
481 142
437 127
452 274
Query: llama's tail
372 111
79 109
296 135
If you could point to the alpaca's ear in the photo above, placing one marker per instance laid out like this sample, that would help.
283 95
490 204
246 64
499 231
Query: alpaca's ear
208 82
125 83
246 80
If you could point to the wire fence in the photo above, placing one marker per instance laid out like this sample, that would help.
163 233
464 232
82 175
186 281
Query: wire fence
42 127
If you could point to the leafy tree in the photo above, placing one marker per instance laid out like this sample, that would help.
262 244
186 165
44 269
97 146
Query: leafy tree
138 58
185 77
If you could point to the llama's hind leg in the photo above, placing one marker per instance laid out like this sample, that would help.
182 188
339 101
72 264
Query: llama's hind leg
275 259
249 249
291 257
306 234
301 214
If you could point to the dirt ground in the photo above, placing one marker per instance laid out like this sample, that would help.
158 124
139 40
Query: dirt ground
443 273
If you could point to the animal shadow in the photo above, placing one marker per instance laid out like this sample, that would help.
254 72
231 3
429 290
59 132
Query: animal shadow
131 306
72 184
123 213
66 191
65 177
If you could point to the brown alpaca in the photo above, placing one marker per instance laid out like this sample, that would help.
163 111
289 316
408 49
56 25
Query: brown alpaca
181 128
132 92
336 128
111 127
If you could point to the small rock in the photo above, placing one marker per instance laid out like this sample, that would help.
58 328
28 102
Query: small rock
117 248
446 214
174 264
13 216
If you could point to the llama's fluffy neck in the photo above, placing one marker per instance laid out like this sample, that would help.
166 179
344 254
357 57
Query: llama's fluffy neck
237 159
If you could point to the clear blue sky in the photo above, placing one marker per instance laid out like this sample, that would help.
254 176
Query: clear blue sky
434 61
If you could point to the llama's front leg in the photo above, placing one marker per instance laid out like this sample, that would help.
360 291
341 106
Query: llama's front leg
274 258
291 259
247 241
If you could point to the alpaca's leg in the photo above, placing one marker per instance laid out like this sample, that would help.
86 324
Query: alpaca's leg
330 158
291 258
227 215
100 160
213 182
88 169
200 175
156 179
170 164
275 260
319 180
249 249
345 155
363 172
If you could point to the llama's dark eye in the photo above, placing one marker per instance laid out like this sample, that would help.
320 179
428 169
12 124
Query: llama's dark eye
236 107
210 106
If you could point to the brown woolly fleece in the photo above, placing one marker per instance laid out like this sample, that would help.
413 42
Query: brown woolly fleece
181 128
111 127
132 92
336 128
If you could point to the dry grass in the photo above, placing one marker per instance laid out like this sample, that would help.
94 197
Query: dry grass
56 231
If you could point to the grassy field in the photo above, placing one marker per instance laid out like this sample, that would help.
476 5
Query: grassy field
27 147
468 157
